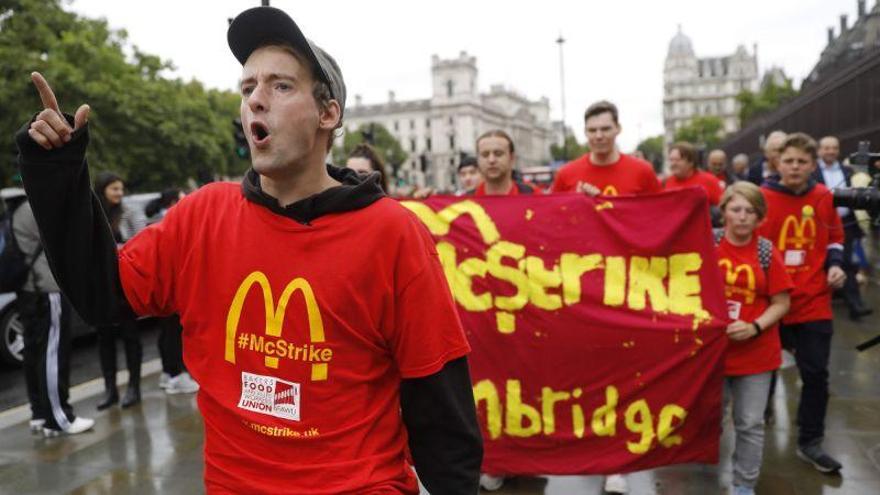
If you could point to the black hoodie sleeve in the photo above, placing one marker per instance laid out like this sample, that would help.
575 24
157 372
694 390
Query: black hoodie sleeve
444 437
75 233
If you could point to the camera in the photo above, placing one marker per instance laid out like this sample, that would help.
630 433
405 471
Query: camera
862 198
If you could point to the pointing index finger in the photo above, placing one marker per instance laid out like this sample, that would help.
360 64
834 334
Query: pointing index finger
46 94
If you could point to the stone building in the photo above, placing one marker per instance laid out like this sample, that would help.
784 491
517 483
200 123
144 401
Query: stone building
435 131
851 44
696 87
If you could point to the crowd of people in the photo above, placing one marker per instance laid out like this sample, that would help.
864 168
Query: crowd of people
788 301
46 316
401 392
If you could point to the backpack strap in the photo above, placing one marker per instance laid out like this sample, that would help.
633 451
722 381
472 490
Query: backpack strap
765 253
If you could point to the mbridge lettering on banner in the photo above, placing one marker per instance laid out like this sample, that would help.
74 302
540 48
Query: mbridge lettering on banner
513 417
663 284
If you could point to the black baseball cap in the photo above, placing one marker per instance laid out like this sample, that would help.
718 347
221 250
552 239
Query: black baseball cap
255 27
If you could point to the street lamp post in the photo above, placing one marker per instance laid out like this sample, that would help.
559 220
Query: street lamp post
560 41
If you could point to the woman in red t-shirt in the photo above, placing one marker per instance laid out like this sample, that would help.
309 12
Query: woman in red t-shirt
684 173
757 291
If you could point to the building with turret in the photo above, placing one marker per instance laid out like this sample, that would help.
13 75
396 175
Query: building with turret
436 131
697 87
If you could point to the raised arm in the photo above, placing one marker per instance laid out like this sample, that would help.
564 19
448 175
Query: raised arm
75 233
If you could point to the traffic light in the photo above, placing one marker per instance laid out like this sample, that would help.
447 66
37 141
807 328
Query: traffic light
241 145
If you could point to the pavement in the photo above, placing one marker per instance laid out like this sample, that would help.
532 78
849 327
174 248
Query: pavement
156 447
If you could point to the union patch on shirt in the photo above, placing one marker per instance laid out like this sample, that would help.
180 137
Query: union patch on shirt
269 395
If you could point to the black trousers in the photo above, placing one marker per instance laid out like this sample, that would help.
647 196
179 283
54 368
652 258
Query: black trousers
171 345
811 344
46 321
134 351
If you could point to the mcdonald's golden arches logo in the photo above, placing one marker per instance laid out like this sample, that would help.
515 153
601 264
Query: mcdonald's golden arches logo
797 233
609 190
273 350
731 276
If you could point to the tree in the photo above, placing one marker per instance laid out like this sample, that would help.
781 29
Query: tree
380 138
154 131
768 98
652 149
569 151
705 131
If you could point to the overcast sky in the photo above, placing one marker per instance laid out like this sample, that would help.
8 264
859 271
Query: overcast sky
615 49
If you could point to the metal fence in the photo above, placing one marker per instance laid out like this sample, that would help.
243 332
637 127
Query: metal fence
846 105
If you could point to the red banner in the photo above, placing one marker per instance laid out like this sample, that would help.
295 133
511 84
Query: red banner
596 326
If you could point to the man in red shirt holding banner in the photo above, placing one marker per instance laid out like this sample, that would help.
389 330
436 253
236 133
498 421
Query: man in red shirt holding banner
802 222
317 320
604 169
757 291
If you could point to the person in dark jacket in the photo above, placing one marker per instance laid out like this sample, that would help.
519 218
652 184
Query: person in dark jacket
124 223
347 349
765 168
834 175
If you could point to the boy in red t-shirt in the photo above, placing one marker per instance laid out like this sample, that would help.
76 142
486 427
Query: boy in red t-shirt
802 222
757 290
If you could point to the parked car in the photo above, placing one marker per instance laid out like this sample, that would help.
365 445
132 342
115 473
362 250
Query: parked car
11 329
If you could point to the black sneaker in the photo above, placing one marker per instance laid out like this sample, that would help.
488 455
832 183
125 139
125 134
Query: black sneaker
823 462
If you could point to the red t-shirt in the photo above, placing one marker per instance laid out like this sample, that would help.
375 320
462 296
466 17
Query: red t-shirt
628 175
299 336
801 228
748 288
699 178
481 190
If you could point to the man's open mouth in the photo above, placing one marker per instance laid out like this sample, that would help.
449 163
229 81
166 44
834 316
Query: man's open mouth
259 132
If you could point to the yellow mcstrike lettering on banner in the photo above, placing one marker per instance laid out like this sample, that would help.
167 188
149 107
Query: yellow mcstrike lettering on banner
512 416
275 319
684 285
439 223
663 284
797 233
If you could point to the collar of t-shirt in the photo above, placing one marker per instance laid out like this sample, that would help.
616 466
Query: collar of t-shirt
354 192
481 190
775 185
